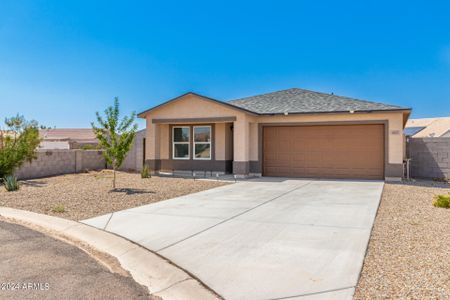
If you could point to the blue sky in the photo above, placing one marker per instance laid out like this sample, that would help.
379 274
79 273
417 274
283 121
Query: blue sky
60 61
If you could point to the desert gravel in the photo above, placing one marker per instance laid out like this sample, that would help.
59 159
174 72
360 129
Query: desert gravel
87 195
408 253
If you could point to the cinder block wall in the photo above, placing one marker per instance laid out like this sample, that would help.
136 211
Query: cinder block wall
57 162
430 157
135 158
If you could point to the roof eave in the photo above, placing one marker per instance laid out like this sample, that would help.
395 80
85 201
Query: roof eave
407 110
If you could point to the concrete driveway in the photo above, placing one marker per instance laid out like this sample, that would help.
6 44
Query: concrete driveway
268 238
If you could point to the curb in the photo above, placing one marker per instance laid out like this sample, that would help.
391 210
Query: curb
162 278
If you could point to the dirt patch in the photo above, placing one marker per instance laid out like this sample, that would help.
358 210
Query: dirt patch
408 251
86 195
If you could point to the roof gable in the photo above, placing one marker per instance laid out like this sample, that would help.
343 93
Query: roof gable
228 105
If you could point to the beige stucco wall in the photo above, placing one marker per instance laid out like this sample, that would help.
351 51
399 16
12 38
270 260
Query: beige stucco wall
151 149
246 128
254 131
219 138
241 139
228 141
164 133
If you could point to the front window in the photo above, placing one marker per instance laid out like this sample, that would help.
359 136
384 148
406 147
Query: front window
202 142
180 142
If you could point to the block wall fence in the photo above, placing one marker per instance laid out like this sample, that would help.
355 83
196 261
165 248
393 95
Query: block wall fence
57 162
430 157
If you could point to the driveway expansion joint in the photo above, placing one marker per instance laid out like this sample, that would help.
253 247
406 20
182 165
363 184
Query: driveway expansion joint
107 222
172 285
315 293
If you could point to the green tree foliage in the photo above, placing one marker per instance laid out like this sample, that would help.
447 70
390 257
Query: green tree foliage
115 137
18 143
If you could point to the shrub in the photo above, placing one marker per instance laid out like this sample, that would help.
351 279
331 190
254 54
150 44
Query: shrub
11 183
18 143
145 173
442 201
59 208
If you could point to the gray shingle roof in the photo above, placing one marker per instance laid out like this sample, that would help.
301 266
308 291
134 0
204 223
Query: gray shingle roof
303 101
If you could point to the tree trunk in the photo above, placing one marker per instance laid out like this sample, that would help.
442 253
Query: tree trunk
114 177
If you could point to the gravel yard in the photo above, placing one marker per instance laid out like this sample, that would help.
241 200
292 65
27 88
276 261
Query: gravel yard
87 195
408 254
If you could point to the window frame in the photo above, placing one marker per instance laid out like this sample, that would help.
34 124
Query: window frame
202 143
181 143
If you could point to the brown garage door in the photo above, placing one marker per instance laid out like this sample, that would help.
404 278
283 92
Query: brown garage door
344 151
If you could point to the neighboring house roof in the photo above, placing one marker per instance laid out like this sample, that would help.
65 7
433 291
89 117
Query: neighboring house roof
54 145
77 134
430 127
447 134
297 101
410 131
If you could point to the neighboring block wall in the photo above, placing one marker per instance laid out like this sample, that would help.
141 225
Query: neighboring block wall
430 157
90 160
135 158
57 162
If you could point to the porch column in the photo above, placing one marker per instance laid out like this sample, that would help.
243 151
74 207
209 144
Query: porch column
241 145
152 146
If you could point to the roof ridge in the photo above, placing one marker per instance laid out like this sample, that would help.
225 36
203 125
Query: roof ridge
316 92
67 128
264 94
298 100
346 97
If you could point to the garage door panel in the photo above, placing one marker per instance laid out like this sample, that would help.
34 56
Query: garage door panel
344 151
275 171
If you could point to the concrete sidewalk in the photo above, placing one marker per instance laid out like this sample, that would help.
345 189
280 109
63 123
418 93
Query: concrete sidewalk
268 238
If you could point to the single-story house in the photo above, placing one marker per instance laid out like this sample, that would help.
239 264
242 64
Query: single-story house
428 127
292 133
67 138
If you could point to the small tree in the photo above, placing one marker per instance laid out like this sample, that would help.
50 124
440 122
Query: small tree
18 143
115 137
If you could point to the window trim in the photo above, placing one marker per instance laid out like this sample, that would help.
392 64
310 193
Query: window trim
181 143
194 142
